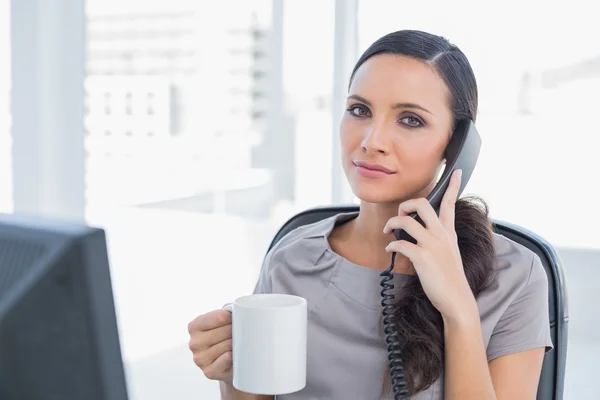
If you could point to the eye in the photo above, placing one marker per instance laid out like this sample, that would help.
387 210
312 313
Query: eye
358 111
412 122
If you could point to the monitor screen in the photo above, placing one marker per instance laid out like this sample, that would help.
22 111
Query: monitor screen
59 337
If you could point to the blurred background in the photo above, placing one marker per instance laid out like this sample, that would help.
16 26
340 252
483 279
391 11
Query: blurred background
192 130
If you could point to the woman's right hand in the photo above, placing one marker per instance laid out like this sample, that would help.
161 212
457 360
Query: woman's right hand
210 343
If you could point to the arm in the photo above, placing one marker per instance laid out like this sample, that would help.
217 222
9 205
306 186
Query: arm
469 376
523 327
516 376
467 373
515 352
228 392
521 338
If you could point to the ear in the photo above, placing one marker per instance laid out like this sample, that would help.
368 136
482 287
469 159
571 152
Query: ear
440 170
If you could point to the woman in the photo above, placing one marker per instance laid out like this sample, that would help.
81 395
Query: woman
472 305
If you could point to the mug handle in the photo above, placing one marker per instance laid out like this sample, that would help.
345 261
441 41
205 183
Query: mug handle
228 307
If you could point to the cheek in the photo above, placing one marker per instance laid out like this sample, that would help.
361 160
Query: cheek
350 136
419 164
423 158
418 154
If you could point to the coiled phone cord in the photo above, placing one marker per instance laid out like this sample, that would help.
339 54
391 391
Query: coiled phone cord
392 340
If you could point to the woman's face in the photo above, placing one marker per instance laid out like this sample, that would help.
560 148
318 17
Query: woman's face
398 120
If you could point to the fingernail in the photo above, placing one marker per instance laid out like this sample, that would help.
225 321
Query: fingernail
459 174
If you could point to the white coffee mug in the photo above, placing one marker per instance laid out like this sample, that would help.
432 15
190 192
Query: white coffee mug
269 343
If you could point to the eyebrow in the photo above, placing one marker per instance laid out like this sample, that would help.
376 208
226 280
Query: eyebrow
396 106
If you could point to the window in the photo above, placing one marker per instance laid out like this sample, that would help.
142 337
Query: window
177 162
128 103
5 118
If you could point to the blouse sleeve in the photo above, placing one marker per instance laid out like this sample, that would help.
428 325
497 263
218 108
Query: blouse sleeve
525 324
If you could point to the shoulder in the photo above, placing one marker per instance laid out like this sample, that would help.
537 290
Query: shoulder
299 262
304 245
514 308
295 237
516 265
519 284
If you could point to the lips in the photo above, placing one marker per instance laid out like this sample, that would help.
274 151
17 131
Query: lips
373 167
372 171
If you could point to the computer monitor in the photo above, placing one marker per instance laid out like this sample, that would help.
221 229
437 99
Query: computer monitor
58 328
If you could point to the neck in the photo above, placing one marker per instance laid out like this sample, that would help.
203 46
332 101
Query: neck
368 228
370 222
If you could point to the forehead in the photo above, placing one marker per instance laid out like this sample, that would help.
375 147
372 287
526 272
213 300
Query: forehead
392 78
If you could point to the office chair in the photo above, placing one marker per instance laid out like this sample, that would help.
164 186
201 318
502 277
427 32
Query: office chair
551 386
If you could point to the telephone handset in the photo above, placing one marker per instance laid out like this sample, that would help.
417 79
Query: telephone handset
461 153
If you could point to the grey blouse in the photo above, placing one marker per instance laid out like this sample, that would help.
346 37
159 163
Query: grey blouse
346 350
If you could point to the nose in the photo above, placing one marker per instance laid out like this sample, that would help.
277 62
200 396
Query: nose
375 140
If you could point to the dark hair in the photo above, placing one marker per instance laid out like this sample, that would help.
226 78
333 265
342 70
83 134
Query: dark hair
419 324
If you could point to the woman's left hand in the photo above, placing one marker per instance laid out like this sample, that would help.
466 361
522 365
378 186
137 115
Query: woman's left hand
436 257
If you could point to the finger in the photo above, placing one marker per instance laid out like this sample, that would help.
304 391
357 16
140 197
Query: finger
425 211
408 249
411 226
209 321
220 367
447 208
204 340
218 335
204 358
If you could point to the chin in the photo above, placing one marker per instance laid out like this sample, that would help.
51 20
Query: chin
389 190
375 199
376 192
